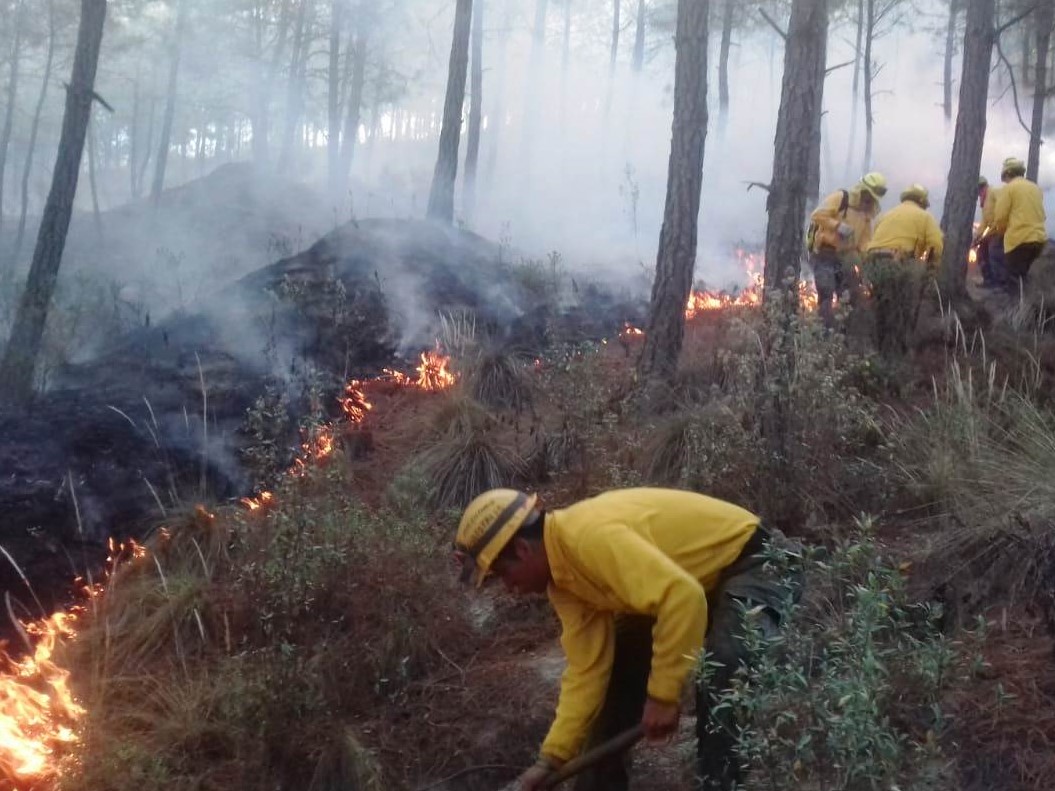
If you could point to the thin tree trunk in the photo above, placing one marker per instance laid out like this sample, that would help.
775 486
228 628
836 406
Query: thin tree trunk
262 105
170 104
148 145
476 113
616 25
677 241
441 196
962 190
333 143
1045 20
639 36
950 49
1027 53
796 148
498 111
34 129
531 101
353 110
870 20
801 100
12 96
856 87
723 56
133 139
295 86
23 347
97 216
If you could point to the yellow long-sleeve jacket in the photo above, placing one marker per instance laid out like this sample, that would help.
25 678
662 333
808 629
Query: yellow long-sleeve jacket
989 210
1019 214
909 229
647 551
828 216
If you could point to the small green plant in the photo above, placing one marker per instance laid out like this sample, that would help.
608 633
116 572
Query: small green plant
848 694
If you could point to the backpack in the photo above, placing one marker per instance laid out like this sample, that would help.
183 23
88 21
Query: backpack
811 232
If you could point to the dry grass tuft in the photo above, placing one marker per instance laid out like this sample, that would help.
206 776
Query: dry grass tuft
499 380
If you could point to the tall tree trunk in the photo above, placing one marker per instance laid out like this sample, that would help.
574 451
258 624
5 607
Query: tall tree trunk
295 85
856 88
813 181
796 148
1045 20
133 139
616 25
23 347
148 144
34 129
441 196
93 186
531 101
723 56
12 96
1027 53
639 36
170 103
262 95
498 109
354 105
870 21
677 240
950 48
962 190
476 113
333 131
801 98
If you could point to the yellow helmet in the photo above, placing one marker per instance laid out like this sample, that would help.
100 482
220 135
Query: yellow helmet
918 194
874 184
488 524
1013 167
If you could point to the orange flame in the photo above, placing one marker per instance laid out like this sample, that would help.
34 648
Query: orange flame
630 332
433 374
38 714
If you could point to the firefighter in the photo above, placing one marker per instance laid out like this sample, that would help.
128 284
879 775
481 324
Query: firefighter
839 233
638 578
901 258
908 230
1019 216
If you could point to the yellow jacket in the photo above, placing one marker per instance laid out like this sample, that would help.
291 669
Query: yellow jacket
909 229
827 218
646 551
989 210
1019 214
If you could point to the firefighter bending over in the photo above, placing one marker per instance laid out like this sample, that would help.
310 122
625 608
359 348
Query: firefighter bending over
638 578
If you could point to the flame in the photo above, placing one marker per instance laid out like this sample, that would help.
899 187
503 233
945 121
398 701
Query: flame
38 714
972 256
353 402
433 374
630 332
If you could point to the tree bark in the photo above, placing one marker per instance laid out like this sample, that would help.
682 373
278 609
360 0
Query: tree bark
616 6
93 187
870 21
723 56
34 129
170 104
962 190
639 36
12 96
295 85
801 98
950 48
23 347
472 151
676 258
333 131
353 110
1045 20
441 196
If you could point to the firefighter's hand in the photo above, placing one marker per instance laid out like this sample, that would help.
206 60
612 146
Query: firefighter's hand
534 777
660 719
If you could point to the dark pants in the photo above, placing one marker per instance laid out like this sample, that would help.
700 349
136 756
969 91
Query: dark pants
832 274
1019 261
744 581
991 256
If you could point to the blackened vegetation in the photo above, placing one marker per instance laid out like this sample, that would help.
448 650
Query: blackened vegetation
158 418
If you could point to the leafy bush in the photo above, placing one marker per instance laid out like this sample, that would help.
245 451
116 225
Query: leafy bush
848 694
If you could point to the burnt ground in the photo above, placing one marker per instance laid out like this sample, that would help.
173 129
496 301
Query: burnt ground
158 417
